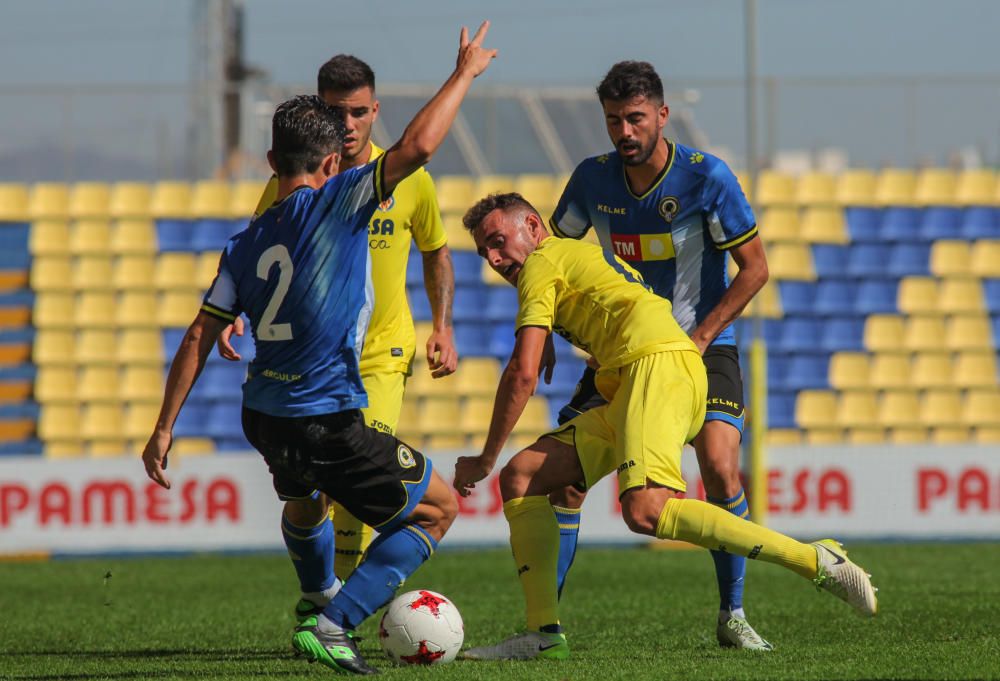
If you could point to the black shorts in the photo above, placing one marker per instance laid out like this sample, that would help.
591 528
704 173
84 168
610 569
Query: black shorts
375 476
725 389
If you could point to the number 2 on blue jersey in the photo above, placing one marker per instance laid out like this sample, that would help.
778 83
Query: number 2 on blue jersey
267 330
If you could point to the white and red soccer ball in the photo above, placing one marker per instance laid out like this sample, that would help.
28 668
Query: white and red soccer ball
421 627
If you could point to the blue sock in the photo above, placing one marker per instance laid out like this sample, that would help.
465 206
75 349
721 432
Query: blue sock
311 550
731 569
391 558
569 531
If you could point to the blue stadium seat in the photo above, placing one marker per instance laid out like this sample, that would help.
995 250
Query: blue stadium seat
211 234
863 224
174 234
224 420
830 261
800 334
419 305
900 224
797 297
565 376
171 341
995 324
564 349
876 297
834 297
991 292
193 419
14 246
807 372
867 260
472 339
780 409
843 333
909 259
29 447
980 222
468 267
501 304
223 380
777 369
469 303
414 269
501 340
940 222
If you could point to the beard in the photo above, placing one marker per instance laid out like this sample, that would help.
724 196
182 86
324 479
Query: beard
643 154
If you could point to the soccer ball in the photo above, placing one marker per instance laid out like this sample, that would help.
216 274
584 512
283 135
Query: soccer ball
421 627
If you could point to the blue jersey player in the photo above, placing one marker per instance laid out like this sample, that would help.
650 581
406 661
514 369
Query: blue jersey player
301 273
674 214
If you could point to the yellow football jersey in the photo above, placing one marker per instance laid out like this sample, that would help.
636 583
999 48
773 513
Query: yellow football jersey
596 302
410 213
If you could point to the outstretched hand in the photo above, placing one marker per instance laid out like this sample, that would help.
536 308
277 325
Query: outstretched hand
472 55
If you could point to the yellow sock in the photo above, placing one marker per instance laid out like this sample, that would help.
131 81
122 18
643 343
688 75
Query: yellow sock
534 540
705 525
351 539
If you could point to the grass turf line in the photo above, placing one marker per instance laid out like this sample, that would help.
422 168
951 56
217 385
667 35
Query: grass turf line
630 614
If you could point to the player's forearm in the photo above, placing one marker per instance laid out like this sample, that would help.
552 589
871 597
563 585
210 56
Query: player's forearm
745 285
513 393
439 282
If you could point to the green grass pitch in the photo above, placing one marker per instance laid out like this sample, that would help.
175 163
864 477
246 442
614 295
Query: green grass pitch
629 613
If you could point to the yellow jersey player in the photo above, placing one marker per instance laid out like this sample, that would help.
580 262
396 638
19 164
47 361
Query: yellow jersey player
348 84
653 378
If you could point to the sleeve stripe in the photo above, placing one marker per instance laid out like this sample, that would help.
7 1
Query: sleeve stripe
219 313
559 233
746 236
380 179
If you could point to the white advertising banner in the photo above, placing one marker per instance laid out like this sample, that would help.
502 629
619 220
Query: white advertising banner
226 502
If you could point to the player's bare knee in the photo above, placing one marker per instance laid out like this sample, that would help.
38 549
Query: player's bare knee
567 497
307 512
514 480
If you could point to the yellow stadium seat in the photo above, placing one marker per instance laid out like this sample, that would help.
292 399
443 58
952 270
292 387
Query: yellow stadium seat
51 273
791 262
63 449
866 436
95 309
815 409
781 224
13 202
539 190
491 184
53 310
986 259
950 259
446 442
49 237
49 200
97 346
177 309
935 187
59 422
825 436
187 446
961 296
455 193
53 348
171 200
941 408
206 267
931 370
89 200
899 409
742 178
975 370
211 199
849 370
976 187
895 187
889 370
106 448
856 188
99 384
492 278
142 384
774 189
131 200
55 384
968 332
92 273
857 409
438 415
423 384
768 301
783 437
816 188
477 376
133 236
140 346
90 236
139 309
986 435
535 420
102 421
883 333
517 441
459 238
133 272
824 225
949 435
245 196
981 407
176 271
913 435
474 416
917 295
923 333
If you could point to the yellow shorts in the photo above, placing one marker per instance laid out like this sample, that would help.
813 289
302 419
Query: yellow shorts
385 399
658 406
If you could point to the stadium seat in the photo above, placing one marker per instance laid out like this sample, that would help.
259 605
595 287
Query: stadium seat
866 436
490 184
53 348
138 309
59 422
991 292
950 259
490 277
176 272
133 272
800 334
849 370
108 448
864 225
986 435
774 189
931 370
89 200
815 408
92 273
913 435
823 225
133 236
423 384
857 409
438 414
883 333
501 341
842 333
245 196
206 267
941 408
948 435
968 332
918 295
501 304
807 372
142 384
51 273
816 188
536 418
780 409
961 296
95 309
177 309
13 202
455 193
211 234
787 261
830 261
98 384
889 371
53 310
867 260
976 187
980 222
171 200
935 187
474 415
459 238
923 334
768 301
855 188
49 200
540 191
96 346
980 407
140 346
472 338
909 260
55 384
895 187
49 238
985 259
102 421
173 234
876 297
899 409
448 442
824 436
797 297
975 370
130 200
477 376
469 303
781 224
835 297
937 222
414 271
468 268
783 437
900 223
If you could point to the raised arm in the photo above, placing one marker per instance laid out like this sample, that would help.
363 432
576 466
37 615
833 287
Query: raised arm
429 127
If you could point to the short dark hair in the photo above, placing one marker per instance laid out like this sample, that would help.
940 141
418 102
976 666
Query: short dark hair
304 131
344 73
628 79
475 215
